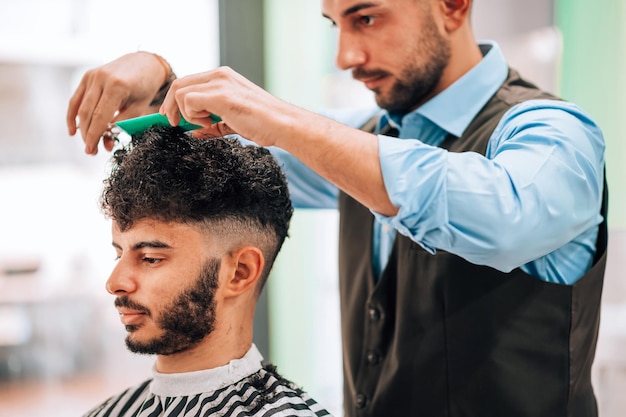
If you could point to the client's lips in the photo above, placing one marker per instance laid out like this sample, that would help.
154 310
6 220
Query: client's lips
128 316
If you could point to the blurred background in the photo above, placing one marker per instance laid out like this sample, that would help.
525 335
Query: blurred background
61 342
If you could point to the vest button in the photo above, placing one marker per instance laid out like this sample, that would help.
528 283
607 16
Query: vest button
374 314
360 401
373 358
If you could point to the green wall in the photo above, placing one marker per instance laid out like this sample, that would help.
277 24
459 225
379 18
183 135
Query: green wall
305 341
298 51
593 75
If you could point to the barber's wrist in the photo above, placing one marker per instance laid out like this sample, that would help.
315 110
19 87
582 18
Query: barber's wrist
170 76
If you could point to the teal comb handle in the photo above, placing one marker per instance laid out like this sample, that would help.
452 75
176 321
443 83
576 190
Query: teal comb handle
142 123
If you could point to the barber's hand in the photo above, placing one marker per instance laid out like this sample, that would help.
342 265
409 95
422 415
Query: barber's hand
118 90
345 156
244 107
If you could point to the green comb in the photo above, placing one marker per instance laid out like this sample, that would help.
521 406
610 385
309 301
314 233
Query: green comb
140 124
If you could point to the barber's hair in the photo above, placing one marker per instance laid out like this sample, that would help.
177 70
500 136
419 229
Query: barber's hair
236 192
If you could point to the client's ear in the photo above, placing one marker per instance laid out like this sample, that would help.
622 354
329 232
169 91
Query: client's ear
247 263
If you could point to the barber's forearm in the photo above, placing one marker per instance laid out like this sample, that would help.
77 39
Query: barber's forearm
345 156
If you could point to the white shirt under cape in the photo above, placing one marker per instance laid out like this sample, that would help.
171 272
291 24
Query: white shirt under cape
243 387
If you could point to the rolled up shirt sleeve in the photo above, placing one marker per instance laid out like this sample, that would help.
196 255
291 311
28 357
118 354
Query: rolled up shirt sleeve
537 190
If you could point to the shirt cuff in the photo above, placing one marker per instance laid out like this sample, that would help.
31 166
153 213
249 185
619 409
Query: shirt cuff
414 177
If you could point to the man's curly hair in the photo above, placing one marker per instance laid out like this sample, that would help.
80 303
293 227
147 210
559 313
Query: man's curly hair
238 192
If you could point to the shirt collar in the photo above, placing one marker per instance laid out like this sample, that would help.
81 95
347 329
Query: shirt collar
191 383
454 108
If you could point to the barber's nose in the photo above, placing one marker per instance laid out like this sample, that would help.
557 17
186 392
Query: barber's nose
122 279
350 52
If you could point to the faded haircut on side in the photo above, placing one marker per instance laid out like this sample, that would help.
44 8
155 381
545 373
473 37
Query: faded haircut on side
237 192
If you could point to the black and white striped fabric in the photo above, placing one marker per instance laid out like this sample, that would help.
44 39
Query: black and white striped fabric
223 391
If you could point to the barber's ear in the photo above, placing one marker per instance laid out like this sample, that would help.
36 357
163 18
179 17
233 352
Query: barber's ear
247 266
455 13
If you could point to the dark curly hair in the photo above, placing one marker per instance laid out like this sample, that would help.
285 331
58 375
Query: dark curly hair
238 192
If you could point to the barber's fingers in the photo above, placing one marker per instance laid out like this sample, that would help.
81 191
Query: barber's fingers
94 103
82 105
72 109
219 86
171 106
99 112
197 103
216 130
193 110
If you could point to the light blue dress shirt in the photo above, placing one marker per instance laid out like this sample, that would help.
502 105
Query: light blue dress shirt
532 202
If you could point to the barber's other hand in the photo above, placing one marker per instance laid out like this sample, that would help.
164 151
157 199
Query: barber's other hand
121 89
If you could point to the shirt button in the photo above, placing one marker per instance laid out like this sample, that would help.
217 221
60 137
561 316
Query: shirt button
360 401
373 358
374 314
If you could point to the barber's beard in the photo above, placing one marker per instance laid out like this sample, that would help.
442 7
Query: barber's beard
420 75
185 322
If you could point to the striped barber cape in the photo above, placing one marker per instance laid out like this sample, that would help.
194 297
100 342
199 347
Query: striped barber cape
242 388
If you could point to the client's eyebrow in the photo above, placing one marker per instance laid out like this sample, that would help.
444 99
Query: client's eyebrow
353 9
155 244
